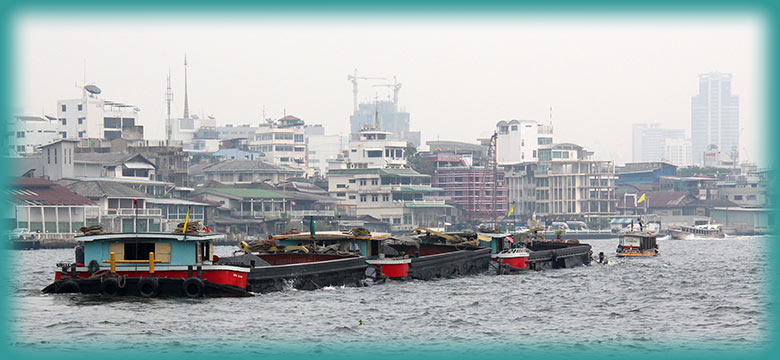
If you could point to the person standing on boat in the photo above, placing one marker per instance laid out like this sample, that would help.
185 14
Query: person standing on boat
640 224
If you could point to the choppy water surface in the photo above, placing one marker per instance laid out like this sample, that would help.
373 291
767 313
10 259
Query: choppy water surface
696 293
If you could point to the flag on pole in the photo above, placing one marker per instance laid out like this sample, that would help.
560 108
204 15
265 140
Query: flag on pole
186 221
511 210
206 229
510 239
641 198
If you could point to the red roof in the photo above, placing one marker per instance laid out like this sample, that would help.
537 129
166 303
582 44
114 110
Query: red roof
289 117
39 191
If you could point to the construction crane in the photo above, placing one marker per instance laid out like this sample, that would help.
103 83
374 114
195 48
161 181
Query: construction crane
354 78
396 87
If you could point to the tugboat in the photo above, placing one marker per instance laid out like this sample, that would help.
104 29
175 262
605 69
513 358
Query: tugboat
637 244
149 265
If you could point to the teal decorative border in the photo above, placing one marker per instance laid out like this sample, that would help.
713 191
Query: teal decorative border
768 10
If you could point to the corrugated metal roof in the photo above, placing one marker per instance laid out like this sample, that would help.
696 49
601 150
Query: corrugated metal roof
37 191
99 189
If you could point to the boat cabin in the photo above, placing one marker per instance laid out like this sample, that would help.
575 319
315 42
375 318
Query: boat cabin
637 241
168 249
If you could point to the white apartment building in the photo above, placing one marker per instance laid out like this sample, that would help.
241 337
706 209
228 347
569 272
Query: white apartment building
321 149
28 133
283 142
402 198
93 117
519 140
375 150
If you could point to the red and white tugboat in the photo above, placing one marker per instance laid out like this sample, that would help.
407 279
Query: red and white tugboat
513 259
148 265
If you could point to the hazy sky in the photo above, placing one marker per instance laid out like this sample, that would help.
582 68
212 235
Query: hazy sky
459 76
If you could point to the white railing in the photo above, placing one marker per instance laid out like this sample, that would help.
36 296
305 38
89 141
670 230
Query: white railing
133 212
293 213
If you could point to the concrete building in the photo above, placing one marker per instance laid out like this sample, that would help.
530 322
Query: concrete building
569 185
470 189
93 117
649 141
519 140
402 198
28 133
321 149
644 173
376 149
283 142
714 117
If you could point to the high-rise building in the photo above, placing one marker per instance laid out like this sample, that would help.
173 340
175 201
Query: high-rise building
649 142
383 116
714 117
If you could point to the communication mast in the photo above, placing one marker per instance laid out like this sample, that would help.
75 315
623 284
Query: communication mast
168 101
492 164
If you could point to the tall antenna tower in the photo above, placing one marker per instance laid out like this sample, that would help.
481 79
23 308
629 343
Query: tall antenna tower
493 164
168 101
186 105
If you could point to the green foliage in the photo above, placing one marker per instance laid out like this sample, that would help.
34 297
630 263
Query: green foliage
699 171
417 163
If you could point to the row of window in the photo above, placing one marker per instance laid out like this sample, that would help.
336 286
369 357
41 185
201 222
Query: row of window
79 106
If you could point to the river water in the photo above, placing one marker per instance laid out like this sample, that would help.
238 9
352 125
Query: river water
697 293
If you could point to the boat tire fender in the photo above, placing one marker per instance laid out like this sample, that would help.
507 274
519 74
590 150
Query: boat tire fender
109 286
93 266
193 287
148 286
69 286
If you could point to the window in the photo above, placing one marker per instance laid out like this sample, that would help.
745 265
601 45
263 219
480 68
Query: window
352 197
81 134
81 120
374 153
385 197
362 198
138 251
341 186
81 107
64 121
283 137
751 197
284 159
396 221
375 198
48 156
19 148
300 149
55 155
283 148
20 134
514 127
362 182
341 194
64 108
351 181
298 138
112 123
503 129
737 197
374 181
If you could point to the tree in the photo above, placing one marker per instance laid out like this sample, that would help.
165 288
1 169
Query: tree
417 163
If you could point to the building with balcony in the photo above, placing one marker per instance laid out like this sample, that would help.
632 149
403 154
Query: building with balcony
44 207
283 142
124 209
402 198
519 140
375 149
243 171
569 185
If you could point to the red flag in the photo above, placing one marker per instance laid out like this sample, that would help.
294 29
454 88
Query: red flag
206 229
292 202
510 239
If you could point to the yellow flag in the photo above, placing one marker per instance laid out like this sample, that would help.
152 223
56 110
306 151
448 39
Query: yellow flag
481 237
186 221
511 211
641 198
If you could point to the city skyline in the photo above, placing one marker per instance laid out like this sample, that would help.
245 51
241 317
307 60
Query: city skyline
459 77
